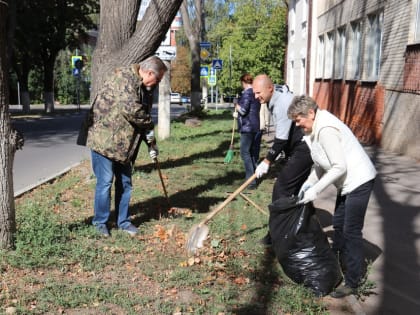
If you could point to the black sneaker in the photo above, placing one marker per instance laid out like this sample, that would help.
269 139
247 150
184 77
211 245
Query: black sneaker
342 291
266 241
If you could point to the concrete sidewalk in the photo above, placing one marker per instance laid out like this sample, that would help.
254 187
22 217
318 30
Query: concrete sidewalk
391 233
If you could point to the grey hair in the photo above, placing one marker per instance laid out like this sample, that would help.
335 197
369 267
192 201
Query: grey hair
301 104
155 64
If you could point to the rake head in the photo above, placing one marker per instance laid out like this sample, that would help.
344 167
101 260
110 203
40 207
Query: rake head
229 156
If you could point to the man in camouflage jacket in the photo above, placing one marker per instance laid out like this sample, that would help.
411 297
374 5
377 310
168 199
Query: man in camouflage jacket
120 119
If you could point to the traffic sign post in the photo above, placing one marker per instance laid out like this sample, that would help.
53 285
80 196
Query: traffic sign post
212 80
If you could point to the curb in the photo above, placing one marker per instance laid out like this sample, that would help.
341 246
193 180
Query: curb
50 178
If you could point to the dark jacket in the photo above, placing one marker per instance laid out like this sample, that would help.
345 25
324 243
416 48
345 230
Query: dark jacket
249 113
120 116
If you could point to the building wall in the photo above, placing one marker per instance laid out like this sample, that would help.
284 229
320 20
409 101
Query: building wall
383 110
400 75
297 46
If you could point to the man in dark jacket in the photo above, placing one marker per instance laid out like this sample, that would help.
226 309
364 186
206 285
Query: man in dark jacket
288 139
120 120
248 113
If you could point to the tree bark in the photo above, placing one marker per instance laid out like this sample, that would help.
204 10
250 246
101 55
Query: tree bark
122 41
49 83
193 33
7 209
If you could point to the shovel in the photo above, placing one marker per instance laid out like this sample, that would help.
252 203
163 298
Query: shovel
199 232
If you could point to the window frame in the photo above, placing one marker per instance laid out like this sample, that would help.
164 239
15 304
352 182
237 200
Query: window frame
329 56
339 52
320 58
354 50
373 44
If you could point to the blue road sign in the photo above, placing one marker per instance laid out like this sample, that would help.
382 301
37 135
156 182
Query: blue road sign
205 45
217 64
204 71
212 80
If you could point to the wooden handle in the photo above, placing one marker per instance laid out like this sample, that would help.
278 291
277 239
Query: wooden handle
228 199
253 203
233 130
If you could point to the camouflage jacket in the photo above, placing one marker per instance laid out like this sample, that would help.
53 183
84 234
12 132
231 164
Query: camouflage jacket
120 116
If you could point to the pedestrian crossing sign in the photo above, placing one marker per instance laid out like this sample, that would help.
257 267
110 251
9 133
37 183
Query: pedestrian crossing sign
212 80
204 71
217 64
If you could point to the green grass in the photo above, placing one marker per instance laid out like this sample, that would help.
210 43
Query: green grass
61 265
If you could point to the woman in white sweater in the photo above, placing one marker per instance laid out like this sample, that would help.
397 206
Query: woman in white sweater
339 159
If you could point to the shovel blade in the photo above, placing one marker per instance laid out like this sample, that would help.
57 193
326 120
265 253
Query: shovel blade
196 237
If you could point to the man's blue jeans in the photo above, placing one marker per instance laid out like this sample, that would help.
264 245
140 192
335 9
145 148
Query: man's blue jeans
105 170
348 219
250 143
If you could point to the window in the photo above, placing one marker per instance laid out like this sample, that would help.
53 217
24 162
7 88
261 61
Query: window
302 76
417 28
291 74
355 44
305 11
329 56
339 53
292 17
320 57
373 46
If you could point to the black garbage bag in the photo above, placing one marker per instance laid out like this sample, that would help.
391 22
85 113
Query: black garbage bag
301 246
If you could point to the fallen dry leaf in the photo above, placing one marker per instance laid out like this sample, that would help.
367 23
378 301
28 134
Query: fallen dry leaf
241 280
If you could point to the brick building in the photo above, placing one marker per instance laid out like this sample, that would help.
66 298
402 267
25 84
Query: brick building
362 62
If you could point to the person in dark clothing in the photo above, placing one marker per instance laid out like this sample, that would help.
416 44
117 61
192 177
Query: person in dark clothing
288 140
247 110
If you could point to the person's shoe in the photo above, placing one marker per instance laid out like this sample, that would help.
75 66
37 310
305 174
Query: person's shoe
102 230
252 187
342 291
131 229
266 241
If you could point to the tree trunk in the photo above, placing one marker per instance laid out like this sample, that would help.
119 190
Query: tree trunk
195 75
7 206
120 43
26 101
193 33
49 84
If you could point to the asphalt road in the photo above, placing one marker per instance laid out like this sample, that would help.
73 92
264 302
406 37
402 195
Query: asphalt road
50 146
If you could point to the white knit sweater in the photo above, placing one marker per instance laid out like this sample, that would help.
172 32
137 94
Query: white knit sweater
338 157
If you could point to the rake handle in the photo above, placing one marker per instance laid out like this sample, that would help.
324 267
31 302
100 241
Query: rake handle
228 199
161 180
254 204
233 130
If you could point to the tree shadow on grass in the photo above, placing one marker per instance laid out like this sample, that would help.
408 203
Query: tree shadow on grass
188 198
267 279
219 153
